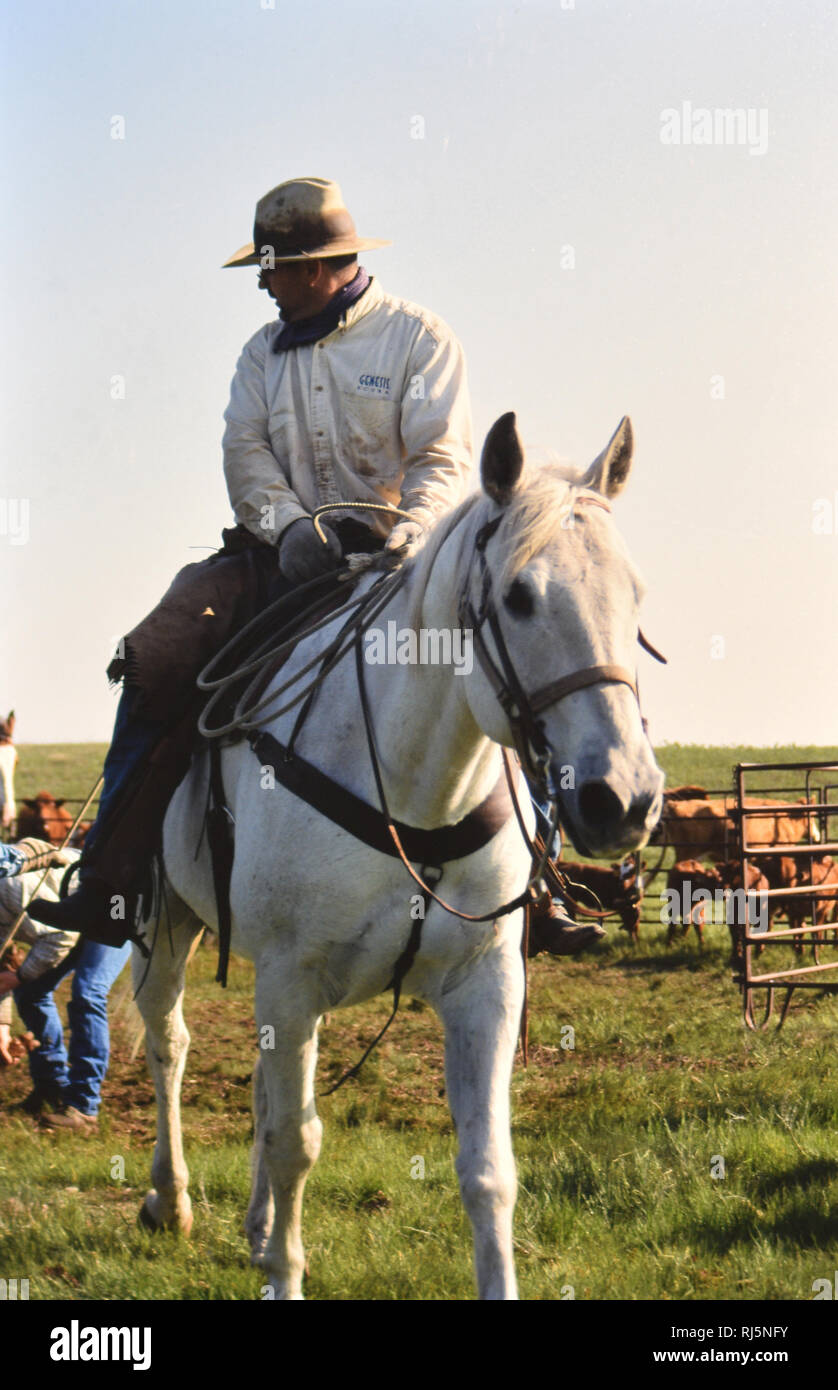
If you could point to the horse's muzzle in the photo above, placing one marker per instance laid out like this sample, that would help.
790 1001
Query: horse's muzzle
599 822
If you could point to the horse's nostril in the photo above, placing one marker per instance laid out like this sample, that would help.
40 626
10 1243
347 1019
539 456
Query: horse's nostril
638 811
598 805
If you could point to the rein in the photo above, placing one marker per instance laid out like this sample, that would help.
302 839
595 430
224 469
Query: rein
527 896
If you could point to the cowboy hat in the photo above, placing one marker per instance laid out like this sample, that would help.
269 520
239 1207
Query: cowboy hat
301 220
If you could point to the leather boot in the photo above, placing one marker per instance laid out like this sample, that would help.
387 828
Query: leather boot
70 1121
124 841
553 931
44 1094
96 911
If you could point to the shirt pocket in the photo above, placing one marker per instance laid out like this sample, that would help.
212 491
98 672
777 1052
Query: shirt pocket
370 439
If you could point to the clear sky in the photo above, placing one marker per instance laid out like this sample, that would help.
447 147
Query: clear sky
595 255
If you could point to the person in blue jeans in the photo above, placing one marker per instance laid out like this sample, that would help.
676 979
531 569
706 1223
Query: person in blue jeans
69 1082
75 1079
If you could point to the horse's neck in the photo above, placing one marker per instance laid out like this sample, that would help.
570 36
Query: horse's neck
8 758
439 764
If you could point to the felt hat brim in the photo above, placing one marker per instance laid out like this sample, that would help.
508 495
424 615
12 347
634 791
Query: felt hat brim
248 254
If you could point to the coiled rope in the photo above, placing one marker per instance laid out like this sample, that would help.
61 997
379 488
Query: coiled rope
249 711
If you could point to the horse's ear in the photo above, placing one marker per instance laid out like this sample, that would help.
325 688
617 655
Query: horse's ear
60 801
609 472
33 805
502 460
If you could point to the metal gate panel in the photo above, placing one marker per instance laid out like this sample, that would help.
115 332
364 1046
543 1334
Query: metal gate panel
750 942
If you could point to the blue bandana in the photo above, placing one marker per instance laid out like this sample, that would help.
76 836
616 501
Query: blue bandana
304 331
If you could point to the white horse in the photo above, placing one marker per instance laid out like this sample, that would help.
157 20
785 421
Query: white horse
324 917
8 760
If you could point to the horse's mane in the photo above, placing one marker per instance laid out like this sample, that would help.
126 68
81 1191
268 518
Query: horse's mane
531 520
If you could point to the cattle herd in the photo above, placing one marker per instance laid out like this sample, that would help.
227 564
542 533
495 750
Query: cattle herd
704 834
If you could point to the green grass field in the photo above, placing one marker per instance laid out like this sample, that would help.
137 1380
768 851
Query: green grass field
669 1154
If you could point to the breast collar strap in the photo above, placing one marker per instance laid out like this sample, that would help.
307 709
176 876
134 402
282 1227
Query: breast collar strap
521 709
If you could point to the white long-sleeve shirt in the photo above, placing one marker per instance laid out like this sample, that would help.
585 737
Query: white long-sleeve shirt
376 411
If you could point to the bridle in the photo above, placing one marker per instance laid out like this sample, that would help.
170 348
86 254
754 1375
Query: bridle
521 709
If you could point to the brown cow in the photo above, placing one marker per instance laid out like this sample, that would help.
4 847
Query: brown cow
702 828
692 875
780 871
700 879
44 818
619 889
697 828
825 876
730 874
784 824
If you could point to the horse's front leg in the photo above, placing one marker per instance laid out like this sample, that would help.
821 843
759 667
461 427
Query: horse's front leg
260 1212
482 1018
160 1001
288 1133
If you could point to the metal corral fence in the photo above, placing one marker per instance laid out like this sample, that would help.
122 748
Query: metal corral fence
10 832
806 898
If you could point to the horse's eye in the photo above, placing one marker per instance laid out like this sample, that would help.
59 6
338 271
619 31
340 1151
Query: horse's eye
518 599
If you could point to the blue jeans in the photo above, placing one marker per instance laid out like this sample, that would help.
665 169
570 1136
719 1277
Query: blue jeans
80 1077
542 822
133 738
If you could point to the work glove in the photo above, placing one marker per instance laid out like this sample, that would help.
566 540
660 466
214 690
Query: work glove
302 554
406 536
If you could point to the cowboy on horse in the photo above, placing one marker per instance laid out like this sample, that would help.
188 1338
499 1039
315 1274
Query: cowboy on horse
355 396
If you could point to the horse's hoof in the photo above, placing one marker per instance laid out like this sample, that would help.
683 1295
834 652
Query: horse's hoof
181 1223
258 1242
